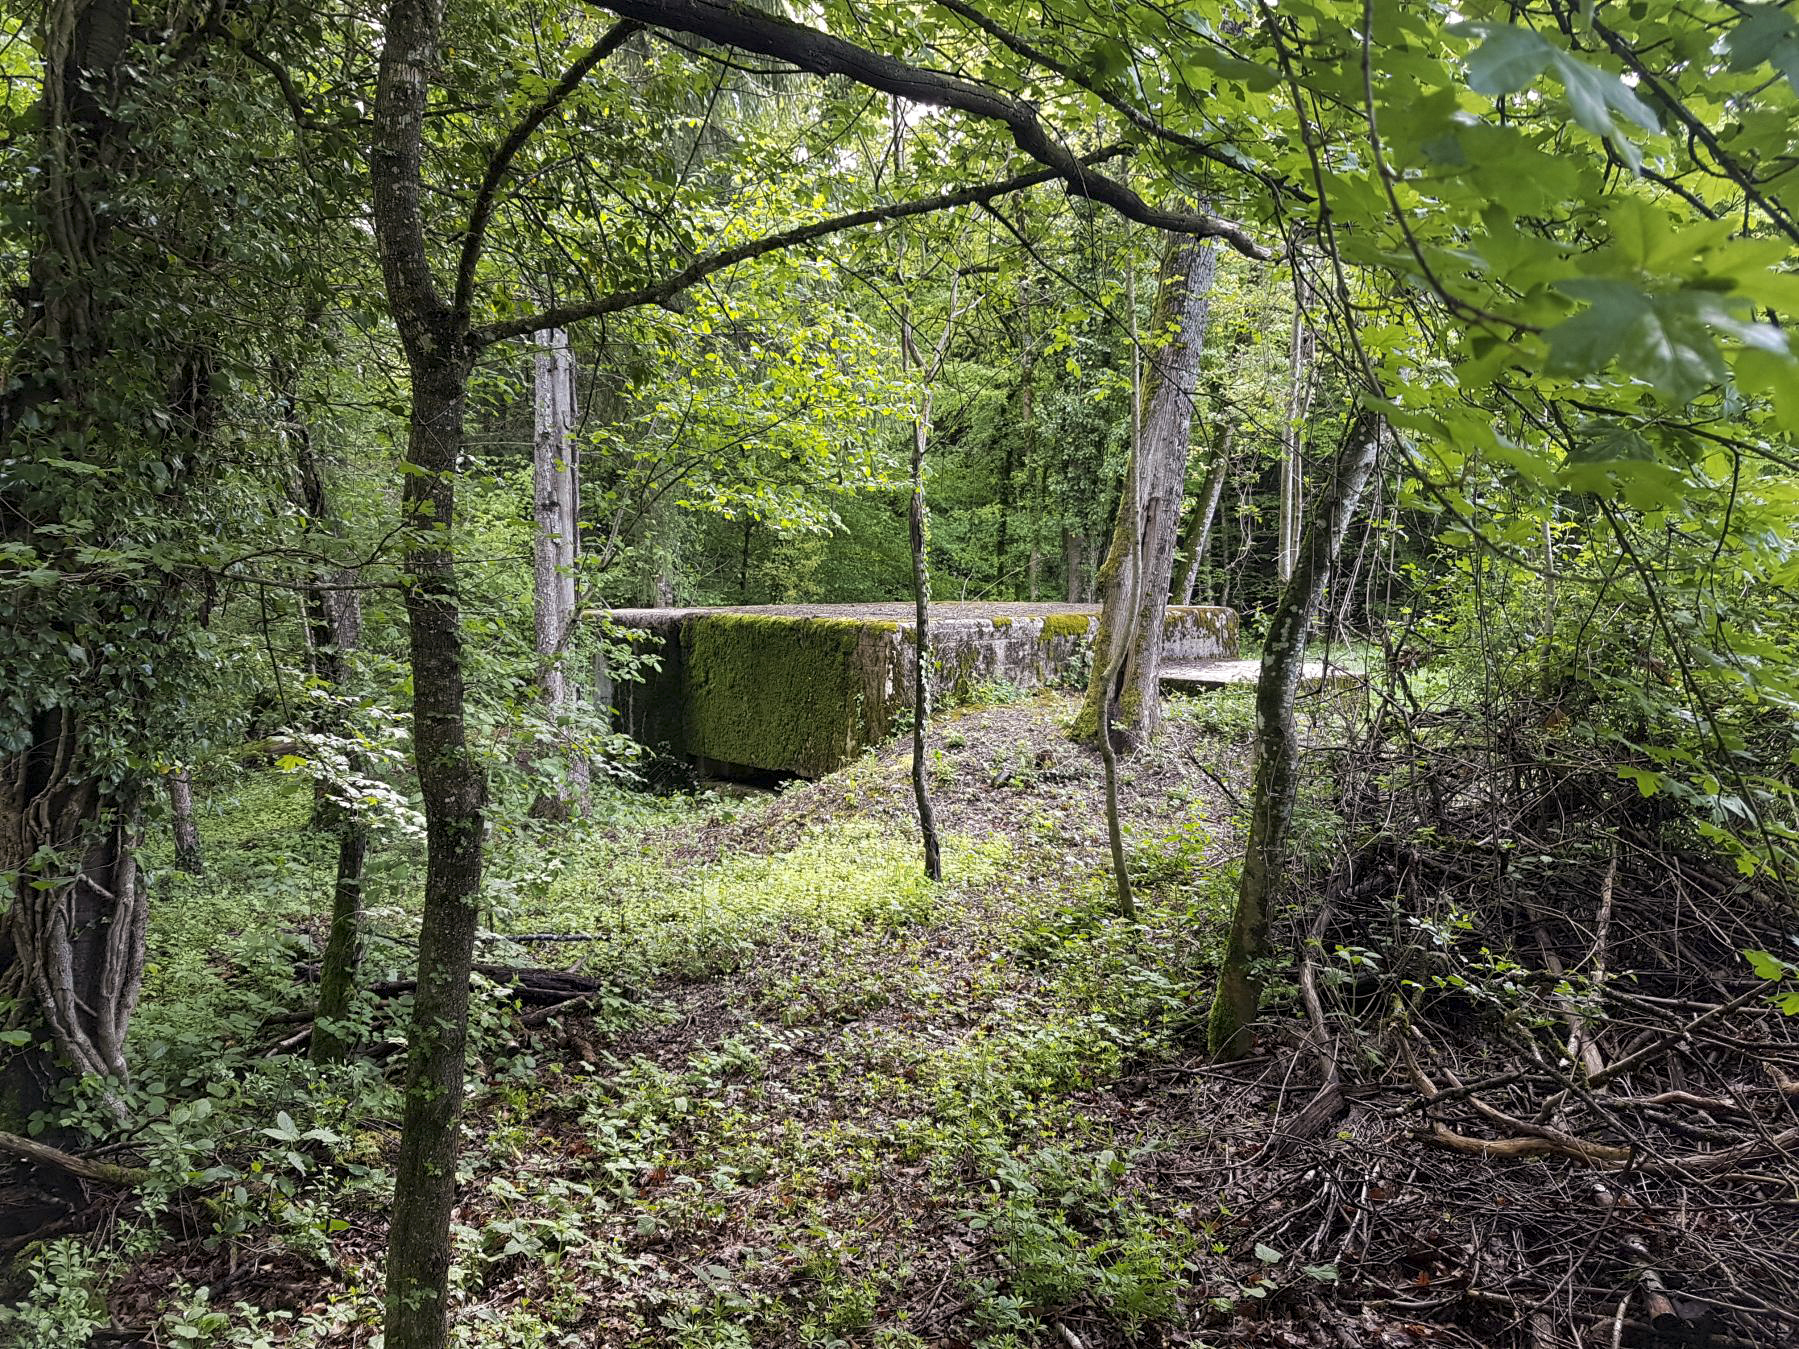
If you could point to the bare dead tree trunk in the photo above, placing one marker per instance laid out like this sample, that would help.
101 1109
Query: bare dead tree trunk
186 832
1205 510
1300 364
1277 739
1140 563
555 550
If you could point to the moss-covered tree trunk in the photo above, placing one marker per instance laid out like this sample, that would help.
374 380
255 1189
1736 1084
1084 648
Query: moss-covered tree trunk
452 780
1277 739
1139 567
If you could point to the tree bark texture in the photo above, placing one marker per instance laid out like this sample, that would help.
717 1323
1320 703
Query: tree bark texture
1277 740
1132 604
186 832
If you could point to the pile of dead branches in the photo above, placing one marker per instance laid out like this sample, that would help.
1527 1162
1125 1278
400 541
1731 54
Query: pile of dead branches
1565 1108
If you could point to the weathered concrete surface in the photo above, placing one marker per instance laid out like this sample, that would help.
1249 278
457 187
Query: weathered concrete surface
802 689
1205 676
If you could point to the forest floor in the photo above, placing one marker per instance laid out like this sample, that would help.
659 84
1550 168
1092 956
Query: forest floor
822 1102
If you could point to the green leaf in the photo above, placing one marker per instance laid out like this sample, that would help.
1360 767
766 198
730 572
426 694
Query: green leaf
1509 59
1594 95
1765 965
1767 33
1268 1255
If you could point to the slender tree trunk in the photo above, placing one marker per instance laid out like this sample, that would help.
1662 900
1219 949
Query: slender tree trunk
188 856
452 780
1007 457
453 784
1074 561
1034 561
918 530
1302 345
1205 510
1139 566
334 624
1277 739
556 490
921 653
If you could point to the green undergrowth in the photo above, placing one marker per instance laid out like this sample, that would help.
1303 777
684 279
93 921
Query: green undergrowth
662 920
829 1103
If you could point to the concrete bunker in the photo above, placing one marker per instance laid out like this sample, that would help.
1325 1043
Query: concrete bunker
802 689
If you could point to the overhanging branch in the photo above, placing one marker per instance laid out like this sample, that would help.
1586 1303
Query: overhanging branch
659 292
735 25
482 211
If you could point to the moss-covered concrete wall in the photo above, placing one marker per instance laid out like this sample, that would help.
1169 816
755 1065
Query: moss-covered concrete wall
802 690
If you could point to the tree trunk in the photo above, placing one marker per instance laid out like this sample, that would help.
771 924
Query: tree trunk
1139 567
556 491
1205 510
180 786
334 620
1277 740
1074 561
452 780
453 784
1302 345
72 929
921 654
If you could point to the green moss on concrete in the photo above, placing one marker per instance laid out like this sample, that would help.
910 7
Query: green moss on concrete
1001 623
1065 625
780 693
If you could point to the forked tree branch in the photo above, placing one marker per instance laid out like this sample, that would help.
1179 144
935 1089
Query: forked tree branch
737 25
486 196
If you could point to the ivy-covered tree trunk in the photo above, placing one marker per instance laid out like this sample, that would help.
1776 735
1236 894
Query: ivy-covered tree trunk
452 780
1205 510
1277 739
1149 508
72 928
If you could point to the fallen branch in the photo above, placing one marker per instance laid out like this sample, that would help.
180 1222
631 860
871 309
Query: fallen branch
82 1168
